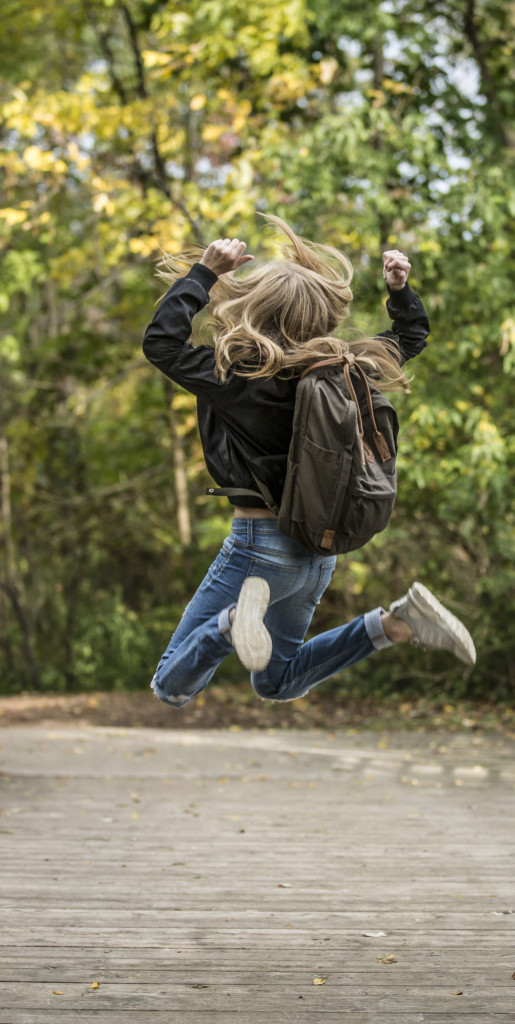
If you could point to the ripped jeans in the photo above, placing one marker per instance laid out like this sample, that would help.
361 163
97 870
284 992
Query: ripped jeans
297 580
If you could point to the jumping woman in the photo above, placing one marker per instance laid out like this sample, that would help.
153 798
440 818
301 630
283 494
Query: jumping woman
270 323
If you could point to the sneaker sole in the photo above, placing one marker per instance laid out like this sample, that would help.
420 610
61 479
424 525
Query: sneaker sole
431 607
250 637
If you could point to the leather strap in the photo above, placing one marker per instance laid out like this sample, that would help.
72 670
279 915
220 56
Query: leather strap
347 357
234 492
348 361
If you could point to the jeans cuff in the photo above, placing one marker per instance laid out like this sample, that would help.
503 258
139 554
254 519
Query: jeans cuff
224 624
375 631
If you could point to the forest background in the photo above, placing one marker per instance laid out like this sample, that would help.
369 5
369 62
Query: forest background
128 127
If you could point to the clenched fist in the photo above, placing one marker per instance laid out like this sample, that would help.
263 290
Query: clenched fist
224 255
396 267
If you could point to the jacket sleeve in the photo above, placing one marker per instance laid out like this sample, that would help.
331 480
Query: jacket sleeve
166 341
410 326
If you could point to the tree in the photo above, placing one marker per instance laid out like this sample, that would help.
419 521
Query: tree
130 127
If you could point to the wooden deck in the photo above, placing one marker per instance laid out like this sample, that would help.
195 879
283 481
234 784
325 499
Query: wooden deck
206 877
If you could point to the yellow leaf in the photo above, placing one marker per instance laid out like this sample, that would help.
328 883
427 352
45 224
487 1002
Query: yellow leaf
100 202
198 101
213 132
94 985
319 981
153 59
13 217
57 992
328 68
38 159
244 108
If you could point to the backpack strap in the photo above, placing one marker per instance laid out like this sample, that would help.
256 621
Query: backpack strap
348 360
379 439
234 492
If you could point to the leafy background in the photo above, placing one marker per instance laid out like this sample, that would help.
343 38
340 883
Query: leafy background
130 127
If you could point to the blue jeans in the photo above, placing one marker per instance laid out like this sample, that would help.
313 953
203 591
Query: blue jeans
297 581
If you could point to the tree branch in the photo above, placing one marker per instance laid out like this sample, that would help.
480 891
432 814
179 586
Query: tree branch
160 178
105 46
141 88
487 81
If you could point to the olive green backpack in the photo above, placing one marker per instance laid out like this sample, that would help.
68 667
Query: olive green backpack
341 480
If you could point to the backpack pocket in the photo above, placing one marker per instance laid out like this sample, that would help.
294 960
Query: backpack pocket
370 507
321 473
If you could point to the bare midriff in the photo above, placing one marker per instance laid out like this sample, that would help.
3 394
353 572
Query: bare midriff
252 513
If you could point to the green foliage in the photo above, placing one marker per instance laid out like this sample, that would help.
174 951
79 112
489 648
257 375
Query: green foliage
130 127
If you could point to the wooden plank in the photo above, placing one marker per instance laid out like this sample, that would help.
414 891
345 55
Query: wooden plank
370 973
68 1016
207 845
291 939
357 998
118 917
351 959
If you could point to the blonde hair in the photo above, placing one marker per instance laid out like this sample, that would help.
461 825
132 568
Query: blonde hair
281 314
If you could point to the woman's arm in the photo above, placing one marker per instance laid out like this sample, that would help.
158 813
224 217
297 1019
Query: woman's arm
166 341
410 326
168 333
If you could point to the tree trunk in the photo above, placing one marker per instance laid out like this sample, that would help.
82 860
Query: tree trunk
377 141
179 467
8 584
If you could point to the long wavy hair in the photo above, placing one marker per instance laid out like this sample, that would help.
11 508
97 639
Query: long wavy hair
280 315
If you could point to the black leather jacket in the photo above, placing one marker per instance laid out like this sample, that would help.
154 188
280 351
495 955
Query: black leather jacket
246 422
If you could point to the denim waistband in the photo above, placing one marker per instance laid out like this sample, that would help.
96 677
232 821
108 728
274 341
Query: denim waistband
264 534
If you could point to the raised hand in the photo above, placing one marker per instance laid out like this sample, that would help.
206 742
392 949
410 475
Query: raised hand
224 255
396 267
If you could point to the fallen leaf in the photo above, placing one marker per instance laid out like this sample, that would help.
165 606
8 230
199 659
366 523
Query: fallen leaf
458 993
386 959
57 992
513 976
95 985
319 981
373 935
284 885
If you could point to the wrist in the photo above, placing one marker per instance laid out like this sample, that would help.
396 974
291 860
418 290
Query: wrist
203 273
401 297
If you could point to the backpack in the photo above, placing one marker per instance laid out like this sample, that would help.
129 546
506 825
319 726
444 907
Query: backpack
341 481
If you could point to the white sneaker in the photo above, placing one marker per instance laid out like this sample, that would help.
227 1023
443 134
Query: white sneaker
433 625
249 635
